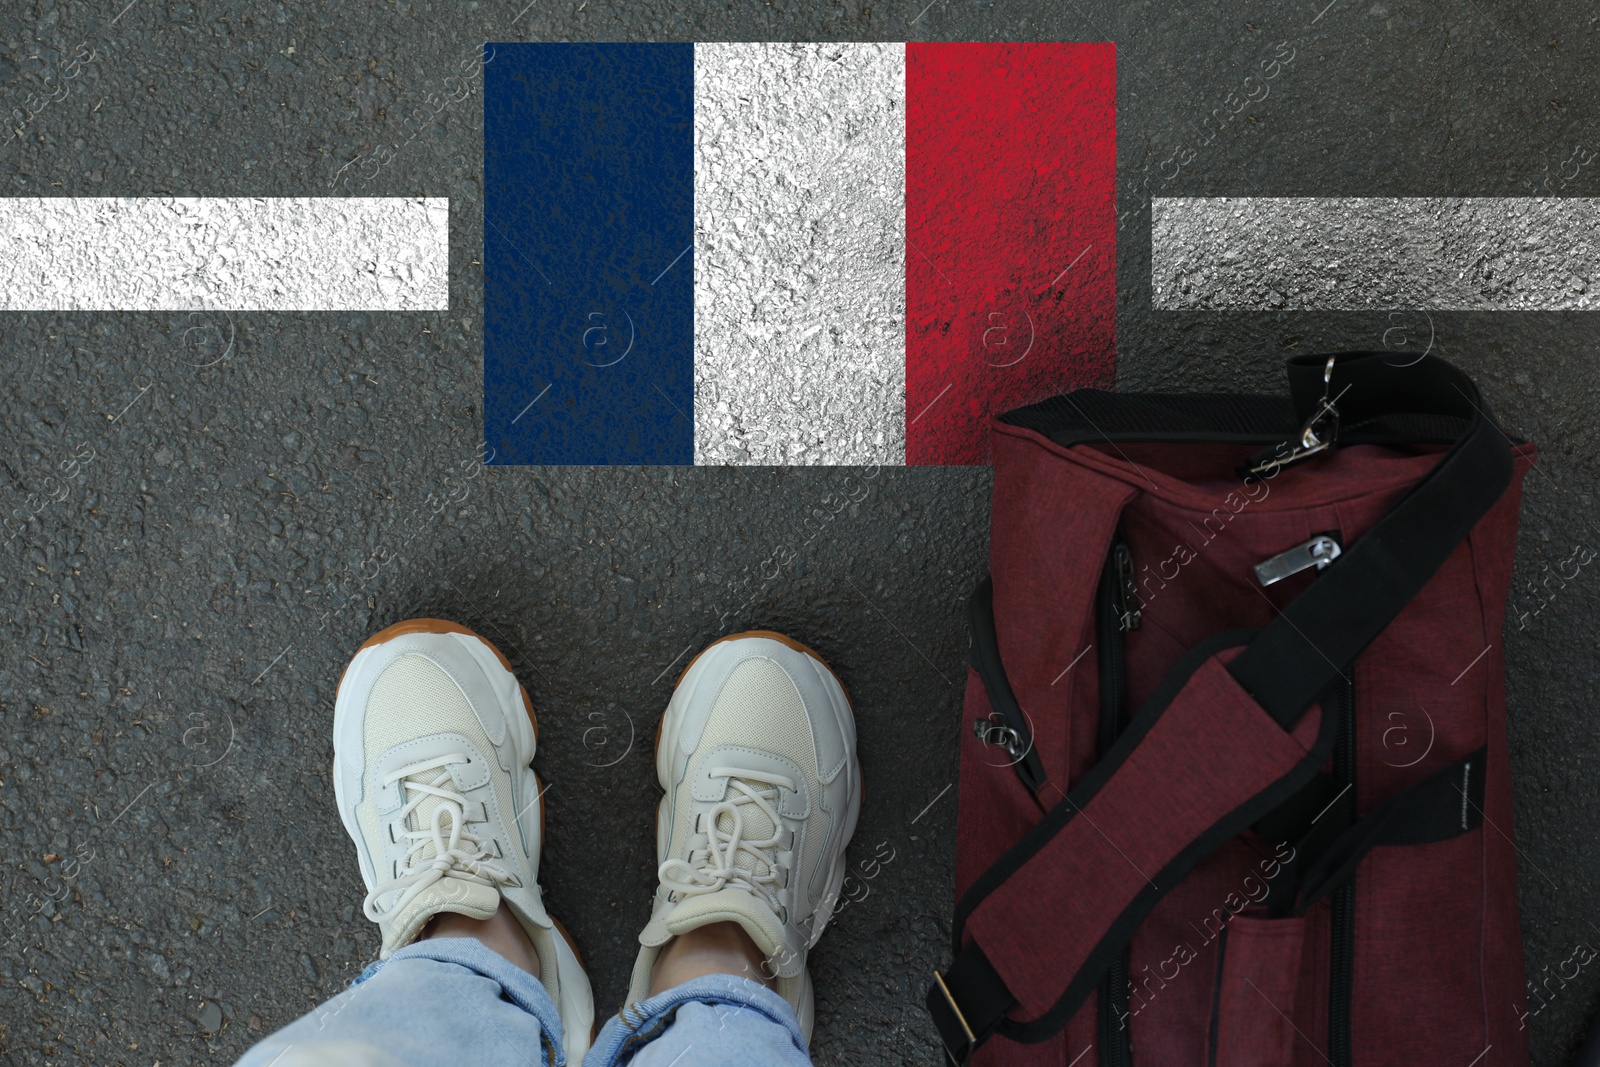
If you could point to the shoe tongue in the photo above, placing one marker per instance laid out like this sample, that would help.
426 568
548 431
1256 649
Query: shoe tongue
422 817
732 903
725 905
755 825
451 893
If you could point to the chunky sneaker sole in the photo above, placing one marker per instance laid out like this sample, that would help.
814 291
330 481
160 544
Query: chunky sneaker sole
433 740
757 754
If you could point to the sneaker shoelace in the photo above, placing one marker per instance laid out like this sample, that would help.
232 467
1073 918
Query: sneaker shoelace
458 853
718 866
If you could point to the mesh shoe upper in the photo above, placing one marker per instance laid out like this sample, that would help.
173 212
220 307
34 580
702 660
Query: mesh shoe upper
757 756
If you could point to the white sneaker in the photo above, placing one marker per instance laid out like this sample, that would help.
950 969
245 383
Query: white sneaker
433 738
757 753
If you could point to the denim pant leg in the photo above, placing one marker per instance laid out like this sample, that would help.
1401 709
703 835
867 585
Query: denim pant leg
718 1020
441 1002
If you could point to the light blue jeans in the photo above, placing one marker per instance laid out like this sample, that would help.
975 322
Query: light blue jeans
449 1001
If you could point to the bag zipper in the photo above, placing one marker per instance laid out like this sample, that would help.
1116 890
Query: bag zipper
1216 1000
1126 592
1343 936
1117 614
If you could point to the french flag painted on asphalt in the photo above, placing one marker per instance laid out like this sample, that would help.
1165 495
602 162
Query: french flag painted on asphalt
791 253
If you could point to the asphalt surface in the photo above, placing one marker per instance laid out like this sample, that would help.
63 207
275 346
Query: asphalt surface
205 515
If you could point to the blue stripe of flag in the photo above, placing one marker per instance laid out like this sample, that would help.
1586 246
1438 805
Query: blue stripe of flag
588 156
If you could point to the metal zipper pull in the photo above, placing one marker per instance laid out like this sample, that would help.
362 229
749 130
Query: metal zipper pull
1317 552
1127 591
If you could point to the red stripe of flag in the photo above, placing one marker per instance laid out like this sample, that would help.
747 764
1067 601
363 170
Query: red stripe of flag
1010 235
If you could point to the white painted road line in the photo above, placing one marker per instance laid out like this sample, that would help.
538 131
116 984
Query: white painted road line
227 253
1375 253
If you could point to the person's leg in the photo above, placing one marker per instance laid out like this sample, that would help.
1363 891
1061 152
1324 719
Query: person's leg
433 741
462 991
715 948
757 755
500 933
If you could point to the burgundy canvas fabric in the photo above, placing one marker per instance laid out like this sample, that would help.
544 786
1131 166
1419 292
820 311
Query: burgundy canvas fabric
1437 958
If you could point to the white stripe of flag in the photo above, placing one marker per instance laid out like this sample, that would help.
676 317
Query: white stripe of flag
799 279
227 253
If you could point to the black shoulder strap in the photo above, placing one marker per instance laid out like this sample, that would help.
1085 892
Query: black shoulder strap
1328 625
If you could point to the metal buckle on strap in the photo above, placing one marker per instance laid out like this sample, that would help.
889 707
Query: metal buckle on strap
965 1053
1322 427
1319 433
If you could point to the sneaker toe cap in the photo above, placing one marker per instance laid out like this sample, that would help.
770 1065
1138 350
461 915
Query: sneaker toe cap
762 685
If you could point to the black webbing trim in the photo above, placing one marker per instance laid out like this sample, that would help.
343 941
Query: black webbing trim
974 985
984 654
1307 822
1444 805
1306 647
1094 416
1088 415
1288 824
1320 831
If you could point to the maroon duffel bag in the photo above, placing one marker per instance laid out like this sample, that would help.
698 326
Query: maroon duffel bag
1233 775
